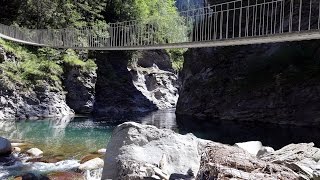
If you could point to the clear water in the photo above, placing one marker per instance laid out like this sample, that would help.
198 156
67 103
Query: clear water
73 138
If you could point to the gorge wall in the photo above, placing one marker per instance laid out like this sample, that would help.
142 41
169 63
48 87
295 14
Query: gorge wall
134 83
276 83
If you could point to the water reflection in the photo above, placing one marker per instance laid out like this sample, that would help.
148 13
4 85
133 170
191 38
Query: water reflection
164 119
229 132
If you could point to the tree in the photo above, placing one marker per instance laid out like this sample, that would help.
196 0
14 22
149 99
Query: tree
9 11
160 17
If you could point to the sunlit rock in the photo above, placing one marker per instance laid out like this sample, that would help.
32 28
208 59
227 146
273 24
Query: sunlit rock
134 146
35 152
102 151
252 147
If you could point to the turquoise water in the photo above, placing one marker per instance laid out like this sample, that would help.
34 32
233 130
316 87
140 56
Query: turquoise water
73 138
69 137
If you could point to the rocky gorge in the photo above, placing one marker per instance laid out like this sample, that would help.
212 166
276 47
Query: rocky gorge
122 83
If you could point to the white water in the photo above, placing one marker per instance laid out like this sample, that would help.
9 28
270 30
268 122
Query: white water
93 174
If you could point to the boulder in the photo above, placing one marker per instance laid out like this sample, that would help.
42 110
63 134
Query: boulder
92 164
230 162
134 150
5 147
35 152
302 158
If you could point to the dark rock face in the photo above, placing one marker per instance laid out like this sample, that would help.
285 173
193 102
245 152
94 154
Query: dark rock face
147 59
80 86
5 147
275 83
115 91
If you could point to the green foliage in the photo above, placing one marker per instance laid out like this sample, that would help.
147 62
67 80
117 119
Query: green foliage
45 64
72 59
177 58
51 13
159 16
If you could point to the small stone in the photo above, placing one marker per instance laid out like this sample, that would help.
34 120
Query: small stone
35 152
16 149
95 163
102 151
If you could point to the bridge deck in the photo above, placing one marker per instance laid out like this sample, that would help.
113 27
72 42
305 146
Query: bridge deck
285 37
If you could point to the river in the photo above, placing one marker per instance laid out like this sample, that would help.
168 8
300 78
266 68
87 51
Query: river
73 138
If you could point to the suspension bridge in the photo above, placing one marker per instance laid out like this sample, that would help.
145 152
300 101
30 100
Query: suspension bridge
238 22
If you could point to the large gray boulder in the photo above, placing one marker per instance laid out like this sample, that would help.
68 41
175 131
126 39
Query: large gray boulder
137 151
5 147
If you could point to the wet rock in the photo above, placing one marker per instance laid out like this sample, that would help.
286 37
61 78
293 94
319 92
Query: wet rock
134 149
5 147
35 152
7 160
65 176
31 176
47 159
92 164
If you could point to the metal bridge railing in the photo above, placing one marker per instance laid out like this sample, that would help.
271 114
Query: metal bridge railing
229 20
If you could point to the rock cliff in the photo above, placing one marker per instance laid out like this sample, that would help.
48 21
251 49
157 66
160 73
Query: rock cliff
80 86
134 83
276 83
